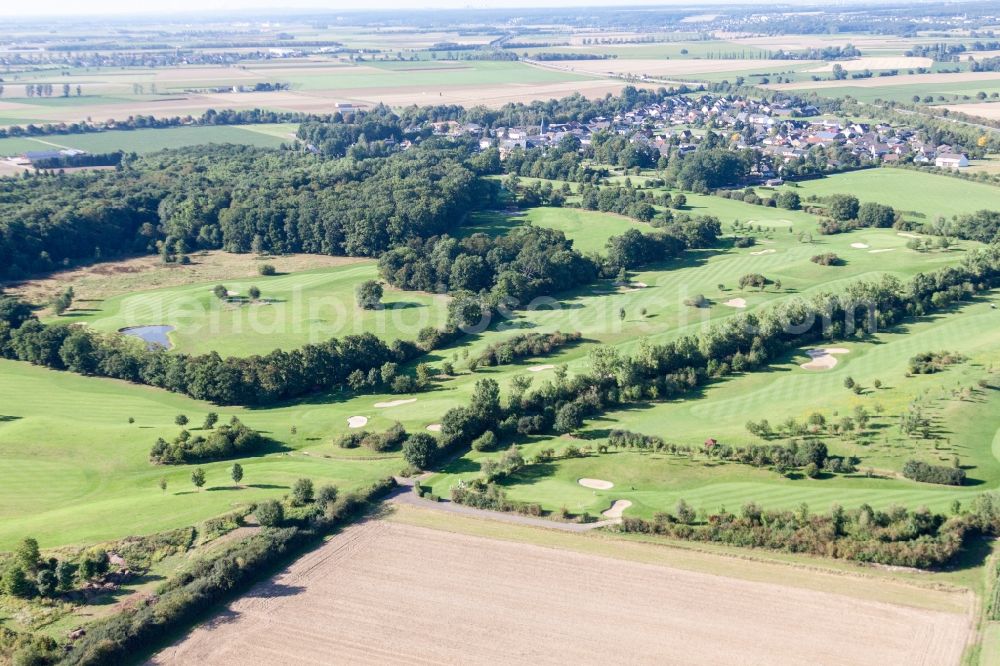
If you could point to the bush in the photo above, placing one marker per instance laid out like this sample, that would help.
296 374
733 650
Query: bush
302 492
270 513
827 259
266 270
485 442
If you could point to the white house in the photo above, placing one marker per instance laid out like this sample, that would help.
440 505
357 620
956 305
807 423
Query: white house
951 161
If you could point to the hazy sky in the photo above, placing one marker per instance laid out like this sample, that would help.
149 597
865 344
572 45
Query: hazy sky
76 7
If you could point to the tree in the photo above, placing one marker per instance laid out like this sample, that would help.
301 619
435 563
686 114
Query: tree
788 200
685 514
254 293
65 575
325 497
46 583
163 484
236 473
198 477
181 420
266 270
220 292
17 584
369 294
418 449
843 207
302 492
569 417
485 403
269 513
210 420
27 555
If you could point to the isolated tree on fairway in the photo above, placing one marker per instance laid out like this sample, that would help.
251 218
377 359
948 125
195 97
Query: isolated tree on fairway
210 420
254 292
163 484
236 473
220 291
181 420
198 477
418 449
302 492
369 294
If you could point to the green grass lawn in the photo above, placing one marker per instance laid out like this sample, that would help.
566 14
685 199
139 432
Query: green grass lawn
76 471
149 140
293 310
926 194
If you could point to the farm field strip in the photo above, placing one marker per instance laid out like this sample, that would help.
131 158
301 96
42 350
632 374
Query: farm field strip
352 596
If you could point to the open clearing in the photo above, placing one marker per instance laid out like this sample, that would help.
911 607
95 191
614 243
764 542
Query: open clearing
491 601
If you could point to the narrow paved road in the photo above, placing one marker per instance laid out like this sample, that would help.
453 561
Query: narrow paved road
404 494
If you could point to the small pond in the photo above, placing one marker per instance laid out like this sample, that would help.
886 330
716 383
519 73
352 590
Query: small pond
155 336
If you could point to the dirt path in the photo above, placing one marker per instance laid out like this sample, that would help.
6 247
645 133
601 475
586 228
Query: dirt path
405 495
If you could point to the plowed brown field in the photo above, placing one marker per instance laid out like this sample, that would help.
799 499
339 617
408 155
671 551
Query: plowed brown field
386 592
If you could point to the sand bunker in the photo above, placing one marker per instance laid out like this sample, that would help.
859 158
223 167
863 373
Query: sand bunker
434 427
539 368
823 359
860 246
885 249
617 509
394 403
767 251
908 235
736 302
596 484
357 422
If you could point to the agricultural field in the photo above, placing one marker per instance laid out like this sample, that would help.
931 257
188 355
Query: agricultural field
904 87
152 140
369 566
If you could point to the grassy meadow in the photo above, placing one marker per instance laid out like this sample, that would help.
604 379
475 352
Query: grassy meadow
293 310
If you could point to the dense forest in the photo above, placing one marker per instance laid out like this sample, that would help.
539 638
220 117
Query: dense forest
240 199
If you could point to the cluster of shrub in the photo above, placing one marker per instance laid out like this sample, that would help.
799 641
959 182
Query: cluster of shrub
927 363
354 361
389 440
845 212
787 199
927 473
227 441
626 439
810 455
27 574
897 536
524 345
